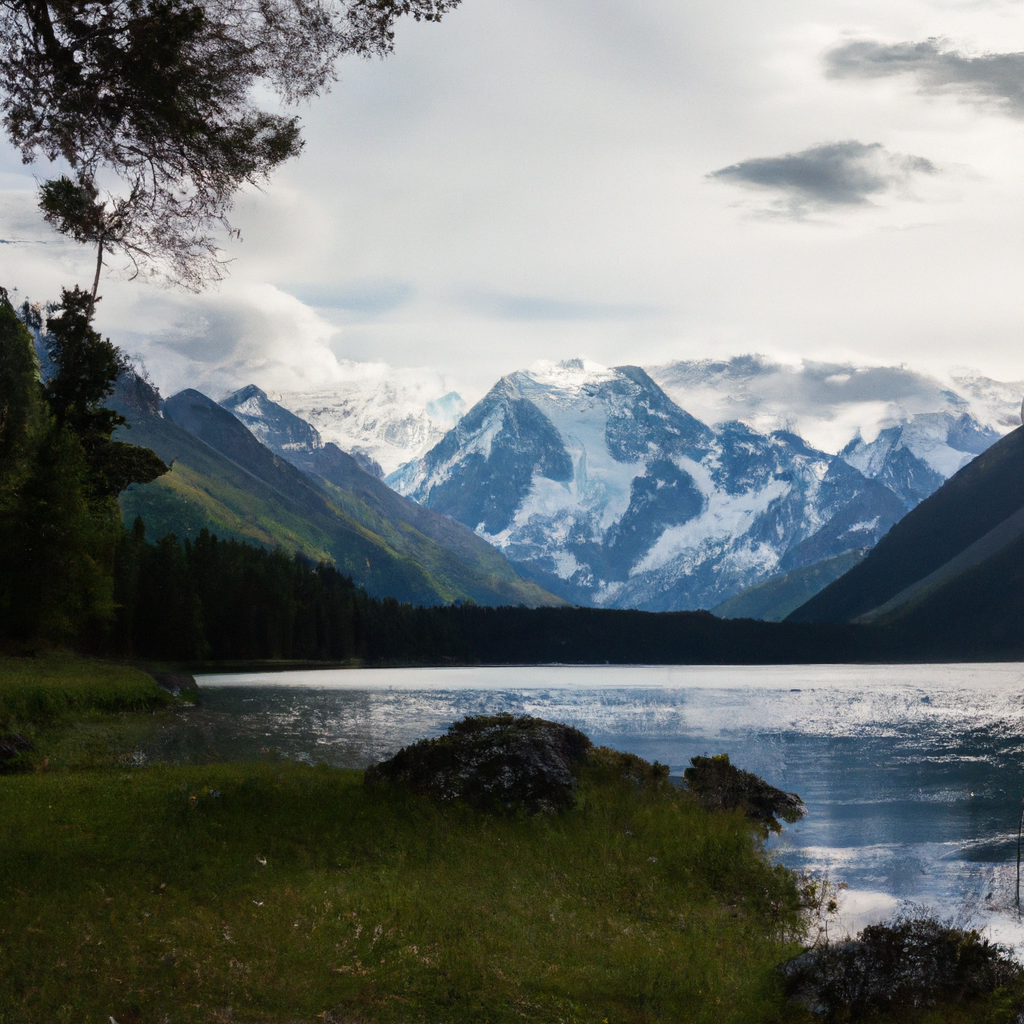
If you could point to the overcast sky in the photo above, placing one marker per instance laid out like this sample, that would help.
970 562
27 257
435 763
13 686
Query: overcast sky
629 180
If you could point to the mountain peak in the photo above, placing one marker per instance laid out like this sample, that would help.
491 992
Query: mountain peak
276 427
245 394
596 483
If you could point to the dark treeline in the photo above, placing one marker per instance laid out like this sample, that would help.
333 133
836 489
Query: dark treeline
214 600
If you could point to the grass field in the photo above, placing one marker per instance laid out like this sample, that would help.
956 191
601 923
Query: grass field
282 892
279 893
44 689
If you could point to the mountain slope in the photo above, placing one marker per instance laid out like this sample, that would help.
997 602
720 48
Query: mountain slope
605 491
223 479
775 598
978 613
976 500
477 569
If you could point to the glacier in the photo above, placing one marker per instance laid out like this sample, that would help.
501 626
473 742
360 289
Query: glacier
594 482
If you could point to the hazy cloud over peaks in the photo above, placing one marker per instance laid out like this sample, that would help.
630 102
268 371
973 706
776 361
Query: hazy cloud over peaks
835 174
938 69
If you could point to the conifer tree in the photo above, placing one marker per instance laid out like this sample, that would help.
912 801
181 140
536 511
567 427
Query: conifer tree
60 474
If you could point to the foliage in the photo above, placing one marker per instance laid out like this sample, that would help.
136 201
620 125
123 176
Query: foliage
85 368
162 95
57 573
620 766
496 763
20 406
909 963
227 600
282 892
719 785
43 689
59 476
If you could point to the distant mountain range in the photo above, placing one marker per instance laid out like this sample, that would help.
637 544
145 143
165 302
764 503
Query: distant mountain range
947 578
307 497
595 483
599 485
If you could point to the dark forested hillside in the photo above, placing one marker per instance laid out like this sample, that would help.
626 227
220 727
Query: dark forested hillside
215 600
972 503
224 600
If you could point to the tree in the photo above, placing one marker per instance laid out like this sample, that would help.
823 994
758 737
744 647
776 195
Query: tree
152 103
60 474
20 405
86 366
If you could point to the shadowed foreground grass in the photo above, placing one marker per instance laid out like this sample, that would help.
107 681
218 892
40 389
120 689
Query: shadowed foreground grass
47 688
290 892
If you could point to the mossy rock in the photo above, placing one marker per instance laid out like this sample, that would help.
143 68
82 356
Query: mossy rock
718 785
496 763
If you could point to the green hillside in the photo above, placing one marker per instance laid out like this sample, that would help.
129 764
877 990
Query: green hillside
775 598
979 611
237 488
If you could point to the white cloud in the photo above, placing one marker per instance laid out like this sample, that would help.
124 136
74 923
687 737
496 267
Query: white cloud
528 180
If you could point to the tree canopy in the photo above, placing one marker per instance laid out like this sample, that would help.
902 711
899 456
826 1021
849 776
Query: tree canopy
153 105
60 474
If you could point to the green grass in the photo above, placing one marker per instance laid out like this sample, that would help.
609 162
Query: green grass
141 896
275 893
52 686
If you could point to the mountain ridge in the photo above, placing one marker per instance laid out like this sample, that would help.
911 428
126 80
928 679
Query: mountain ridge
976 500
593 476
223 479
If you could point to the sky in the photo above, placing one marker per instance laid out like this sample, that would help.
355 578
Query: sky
631 181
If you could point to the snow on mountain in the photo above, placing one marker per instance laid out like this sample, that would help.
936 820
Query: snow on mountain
279 430
595 482
381 414
282 431
905 429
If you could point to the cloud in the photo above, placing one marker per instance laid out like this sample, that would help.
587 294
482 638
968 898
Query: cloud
538 307
997 77
368 298
826 402
246 333
836 174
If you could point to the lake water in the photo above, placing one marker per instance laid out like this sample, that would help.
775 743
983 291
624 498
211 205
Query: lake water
912 775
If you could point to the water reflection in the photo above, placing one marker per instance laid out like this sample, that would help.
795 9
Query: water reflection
912 775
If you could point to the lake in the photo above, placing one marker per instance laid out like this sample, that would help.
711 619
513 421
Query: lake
912 775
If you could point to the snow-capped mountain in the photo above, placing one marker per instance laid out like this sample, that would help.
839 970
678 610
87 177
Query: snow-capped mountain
915 457
282 431
595 482
382 415
905 429
829 404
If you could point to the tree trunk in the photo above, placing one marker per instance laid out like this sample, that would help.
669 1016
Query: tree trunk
96 279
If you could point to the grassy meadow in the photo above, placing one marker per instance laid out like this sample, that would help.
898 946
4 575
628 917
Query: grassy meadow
279 892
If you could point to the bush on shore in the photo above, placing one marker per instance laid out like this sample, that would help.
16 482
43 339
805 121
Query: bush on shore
909 964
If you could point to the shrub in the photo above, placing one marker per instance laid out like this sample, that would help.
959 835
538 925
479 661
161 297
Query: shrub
612 765
497 763
909 963
720 786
